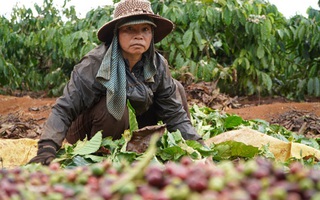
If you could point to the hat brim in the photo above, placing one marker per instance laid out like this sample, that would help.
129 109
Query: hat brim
164 27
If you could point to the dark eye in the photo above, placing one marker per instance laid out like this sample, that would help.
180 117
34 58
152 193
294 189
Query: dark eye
146 29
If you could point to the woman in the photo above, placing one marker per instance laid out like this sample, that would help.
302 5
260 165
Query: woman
125 67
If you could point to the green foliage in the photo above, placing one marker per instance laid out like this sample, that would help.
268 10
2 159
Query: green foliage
173 147
209 123
41 49
302 48
247 47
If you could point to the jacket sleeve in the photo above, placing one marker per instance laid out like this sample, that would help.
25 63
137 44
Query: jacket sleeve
81 92
169 109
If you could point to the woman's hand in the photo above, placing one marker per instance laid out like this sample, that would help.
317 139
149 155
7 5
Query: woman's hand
46 153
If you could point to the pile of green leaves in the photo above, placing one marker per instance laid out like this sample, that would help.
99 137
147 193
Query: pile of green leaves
210 122
172 146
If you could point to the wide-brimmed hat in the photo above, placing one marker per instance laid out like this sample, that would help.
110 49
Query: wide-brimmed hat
134 8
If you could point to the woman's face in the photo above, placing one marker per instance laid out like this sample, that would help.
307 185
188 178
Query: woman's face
135 39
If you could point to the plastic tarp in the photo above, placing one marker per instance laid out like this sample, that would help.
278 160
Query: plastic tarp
17 152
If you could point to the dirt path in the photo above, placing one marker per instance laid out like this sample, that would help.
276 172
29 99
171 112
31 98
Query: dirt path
39 109
272 111
26 107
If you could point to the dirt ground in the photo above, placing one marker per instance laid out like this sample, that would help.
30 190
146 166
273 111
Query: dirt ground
26 115
272 109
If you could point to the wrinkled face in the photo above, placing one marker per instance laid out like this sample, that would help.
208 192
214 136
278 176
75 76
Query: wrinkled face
135 39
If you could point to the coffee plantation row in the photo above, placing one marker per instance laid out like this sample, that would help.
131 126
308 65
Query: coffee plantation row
246 47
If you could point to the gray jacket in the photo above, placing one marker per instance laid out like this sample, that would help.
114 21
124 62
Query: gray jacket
83 91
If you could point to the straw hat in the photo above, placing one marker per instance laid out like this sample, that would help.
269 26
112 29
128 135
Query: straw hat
135 8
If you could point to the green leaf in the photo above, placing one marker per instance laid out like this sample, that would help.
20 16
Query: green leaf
187 37
310 142
204 151
111 144
171 153
313 71
188 51
132 118
316 87
127 156
221 2
260 52
313 86
179 60
233 149
267 81
247 64
94 158
227 16
281 34
310 87
193 153
79 161
250 87
232 121
127 134
265 152
301 33
174 138
198 38
209 15
87 147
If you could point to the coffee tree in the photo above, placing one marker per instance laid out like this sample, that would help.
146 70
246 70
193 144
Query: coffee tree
246 47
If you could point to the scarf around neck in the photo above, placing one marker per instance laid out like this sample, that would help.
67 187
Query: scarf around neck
112 74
